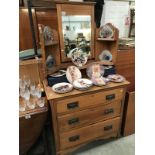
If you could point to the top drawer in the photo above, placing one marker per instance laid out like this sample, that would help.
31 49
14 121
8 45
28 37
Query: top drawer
80 102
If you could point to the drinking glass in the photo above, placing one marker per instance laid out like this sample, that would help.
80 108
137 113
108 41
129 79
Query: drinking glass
38 93
32 85
22 93
27 81
32 88
41 102
22 84
22 105
27 94
30 104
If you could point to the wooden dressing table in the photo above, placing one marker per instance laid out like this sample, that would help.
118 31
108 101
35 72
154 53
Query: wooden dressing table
80 117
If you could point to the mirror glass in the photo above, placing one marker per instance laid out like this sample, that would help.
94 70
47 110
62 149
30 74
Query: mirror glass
76 33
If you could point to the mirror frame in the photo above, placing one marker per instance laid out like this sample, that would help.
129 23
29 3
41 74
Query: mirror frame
74 8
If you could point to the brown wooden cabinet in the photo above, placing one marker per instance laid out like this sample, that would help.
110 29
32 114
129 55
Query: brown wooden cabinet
31 121
125 66
82 116
128 127
79 117
25 35
30 128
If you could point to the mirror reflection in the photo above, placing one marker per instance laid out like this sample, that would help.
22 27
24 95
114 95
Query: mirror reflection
76 33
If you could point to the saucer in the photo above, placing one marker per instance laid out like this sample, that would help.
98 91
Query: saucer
106 31
101 81
116 78
62 87
73 73
82 84
78 57
105 56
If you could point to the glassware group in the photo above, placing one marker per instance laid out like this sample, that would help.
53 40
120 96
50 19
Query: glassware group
30 94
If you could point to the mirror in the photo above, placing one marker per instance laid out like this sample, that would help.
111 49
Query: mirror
76 33
76 28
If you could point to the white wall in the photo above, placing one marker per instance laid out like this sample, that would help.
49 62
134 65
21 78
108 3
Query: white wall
117 12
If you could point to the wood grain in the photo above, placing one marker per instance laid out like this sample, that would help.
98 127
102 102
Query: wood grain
98 98
88 132
70 150
30 61
74 3
47 17
30 130
25 35
125 66
129 114
52 95
69 96
88 116
106 44
51 49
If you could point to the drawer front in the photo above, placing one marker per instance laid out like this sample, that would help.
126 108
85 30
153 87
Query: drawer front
75 137
77 119
80 102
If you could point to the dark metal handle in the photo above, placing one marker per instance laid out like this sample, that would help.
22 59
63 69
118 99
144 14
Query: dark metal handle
73 121
74 138
108 111
110 97
109 127
72 105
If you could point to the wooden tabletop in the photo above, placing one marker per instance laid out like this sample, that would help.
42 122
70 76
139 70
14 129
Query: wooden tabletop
33 111
52 95
74 2
30 61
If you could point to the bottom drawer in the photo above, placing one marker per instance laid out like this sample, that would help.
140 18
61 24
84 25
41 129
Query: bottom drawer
84 134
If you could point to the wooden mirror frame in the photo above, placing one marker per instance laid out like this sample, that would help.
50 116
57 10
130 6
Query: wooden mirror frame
75 8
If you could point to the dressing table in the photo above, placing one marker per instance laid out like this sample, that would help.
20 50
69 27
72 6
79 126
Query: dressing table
80 117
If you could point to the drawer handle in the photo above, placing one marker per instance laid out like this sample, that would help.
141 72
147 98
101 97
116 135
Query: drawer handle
110 97
74 138
73 121
72 105
109 127
108 111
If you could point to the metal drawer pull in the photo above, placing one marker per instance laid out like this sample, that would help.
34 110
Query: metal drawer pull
108 111
72 105
74 138
73 121
109 127
110 97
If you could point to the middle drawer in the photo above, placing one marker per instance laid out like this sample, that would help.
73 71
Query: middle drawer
78 119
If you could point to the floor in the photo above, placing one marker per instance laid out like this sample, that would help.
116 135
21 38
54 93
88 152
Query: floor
122 146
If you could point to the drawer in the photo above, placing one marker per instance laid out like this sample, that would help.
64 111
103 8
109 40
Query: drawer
79 136
77 119
75 103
